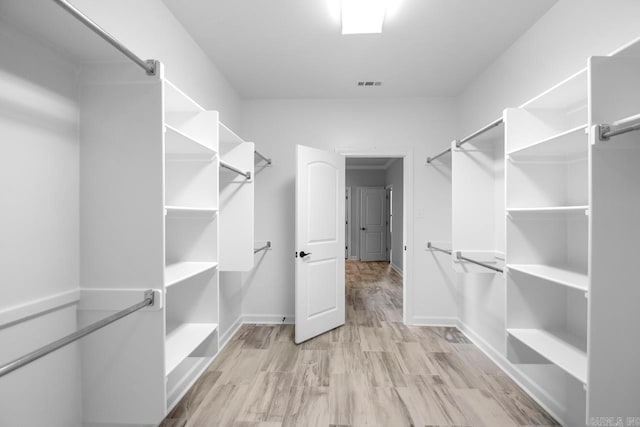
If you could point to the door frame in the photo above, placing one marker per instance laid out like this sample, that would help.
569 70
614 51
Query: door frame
348 223
406 156
389 211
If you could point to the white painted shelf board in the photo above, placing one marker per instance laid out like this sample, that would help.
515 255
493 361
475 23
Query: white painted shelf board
227 136
557 275
181 271
176 101
179 143
188 210
183 339
569 93
571 143
558 348
550 209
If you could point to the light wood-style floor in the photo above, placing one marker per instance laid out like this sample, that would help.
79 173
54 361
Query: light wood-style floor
372 371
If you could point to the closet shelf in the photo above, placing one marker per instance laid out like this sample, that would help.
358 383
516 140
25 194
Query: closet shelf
557 275
176 101
183 339
569 145
181 271
549 209
558 348
189 210
571 93
227 136
179 145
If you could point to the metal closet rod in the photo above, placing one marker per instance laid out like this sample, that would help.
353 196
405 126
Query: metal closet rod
468 138
479 132
236 170
49 348
434 248
481 264
148 65
266 159
264 248
605 132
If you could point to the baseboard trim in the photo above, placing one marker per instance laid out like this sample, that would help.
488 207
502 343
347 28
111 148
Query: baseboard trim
229 333
396 268
269 319
432 321
523 381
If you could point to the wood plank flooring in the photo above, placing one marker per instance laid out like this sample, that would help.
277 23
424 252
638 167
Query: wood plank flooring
373 371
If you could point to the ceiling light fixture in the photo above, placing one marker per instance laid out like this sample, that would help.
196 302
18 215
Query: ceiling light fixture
363 16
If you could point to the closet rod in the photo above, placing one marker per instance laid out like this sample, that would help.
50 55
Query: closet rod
430 246
236 170
266 159
264 248
481 264
605 133
479 132
43 351
148 65
430 159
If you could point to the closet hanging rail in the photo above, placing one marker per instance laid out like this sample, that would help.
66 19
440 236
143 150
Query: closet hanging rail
430 159
434 248
264 248
481 264
479 132
266 159
630 124
148 65
49 348
459 143
236 170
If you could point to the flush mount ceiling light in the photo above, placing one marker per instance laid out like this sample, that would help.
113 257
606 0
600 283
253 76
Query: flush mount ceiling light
363 16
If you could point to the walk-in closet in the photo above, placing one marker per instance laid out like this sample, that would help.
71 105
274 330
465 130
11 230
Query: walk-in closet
319 213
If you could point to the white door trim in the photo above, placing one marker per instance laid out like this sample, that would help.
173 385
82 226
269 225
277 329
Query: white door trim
407 215
349 223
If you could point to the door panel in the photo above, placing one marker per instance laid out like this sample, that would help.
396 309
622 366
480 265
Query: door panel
373 228
320 242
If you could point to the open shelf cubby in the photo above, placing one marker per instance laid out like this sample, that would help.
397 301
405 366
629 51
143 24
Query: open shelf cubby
546 323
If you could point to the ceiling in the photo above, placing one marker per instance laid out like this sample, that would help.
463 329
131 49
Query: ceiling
368 163
294 49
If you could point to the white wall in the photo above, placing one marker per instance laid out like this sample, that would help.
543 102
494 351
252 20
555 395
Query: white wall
551 50
423 126
39 237
393 177
360 178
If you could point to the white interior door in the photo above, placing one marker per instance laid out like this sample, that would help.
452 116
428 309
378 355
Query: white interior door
373 227
320 209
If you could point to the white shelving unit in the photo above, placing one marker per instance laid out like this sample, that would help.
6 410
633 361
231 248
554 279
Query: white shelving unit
572 205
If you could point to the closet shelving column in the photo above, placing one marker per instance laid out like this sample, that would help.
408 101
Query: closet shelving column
236 202
478 200
191 245
547 229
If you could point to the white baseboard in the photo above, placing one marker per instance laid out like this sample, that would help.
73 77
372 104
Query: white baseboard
269 319
226 336
396 268
354 258
530 387
432 321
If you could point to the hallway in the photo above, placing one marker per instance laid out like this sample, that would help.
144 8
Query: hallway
374 370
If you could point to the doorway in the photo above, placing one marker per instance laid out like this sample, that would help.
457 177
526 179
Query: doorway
374 276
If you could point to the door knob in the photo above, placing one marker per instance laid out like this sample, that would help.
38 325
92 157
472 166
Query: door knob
304 254
364 229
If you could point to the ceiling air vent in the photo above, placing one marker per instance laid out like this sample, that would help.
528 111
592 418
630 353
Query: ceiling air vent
369 83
